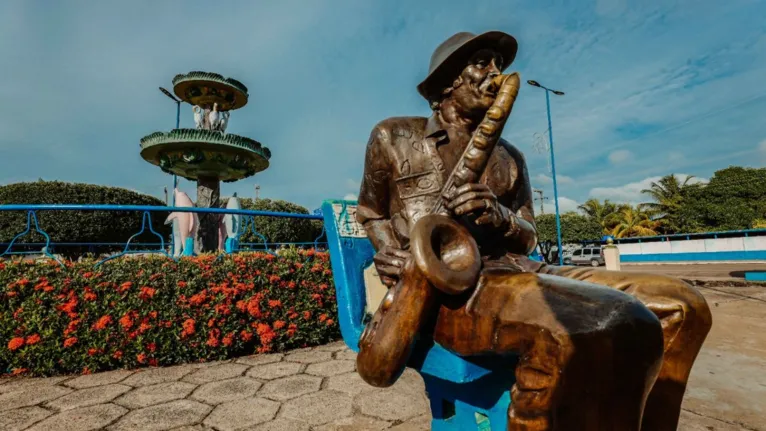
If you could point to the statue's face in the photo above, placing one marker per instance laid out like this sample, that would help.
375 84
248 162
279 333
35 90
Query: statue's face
473 94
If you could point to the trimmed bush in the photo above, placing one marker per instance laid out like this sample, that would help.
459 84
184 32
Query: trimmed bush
152 311
279 229
78 226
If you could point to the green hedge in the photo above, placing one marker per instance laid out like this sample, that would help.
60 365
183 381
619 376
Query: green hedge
280 229
78 226
152 311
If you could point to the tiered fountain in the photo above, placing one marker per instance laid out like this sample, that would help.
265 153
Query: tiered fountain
207 154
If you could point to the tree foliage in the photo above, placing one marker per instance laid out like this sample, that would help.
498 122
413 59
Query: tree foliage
574 228
78 226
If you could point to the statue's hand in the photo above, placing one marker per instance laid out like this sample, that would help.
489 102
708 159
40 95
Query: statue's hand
389 262
479 200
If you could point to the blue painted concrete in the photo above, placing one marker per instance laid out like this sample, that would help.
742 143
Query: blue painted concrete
755 276
465 393
692 257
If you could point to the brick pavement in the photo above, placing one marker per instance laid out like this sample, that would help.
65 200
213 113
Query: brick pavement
317 389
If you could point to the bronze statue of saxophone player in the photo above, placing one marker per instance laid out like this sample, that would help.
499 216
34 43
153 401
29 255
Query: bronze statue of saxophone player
598 350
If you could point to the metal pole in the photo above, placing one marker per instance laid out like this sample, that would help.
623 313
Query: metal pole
178 124
553 172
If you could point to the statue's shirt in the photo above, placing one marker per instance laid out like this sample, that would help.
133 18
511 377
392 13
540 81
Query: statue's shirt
409 159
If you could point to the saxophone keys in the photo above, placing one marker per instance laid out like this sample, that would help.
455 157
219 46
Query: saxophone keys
487 129
495 113
480 142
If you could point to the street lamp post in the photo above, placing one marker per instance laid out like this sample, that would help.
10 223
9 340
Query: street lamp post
178 124
553 163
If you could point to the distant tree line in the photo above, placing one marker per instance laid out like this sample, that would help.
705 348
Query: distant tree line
733 199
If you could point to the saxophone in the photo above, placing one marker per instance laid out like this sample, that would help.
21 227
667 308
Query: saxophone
444 256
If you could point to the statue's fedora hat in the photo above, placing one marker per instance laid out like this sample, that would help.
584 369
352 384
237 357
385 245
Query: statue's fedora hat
453 55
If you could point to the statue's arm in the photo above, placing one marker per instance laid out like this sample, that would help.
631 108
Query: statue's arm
374 195
517 203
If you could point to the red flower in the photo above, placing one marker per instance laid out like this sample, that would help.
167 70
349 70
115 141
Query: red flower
33 339
306 315
141 357
151 347
181 284
117 355
322 317
16 343
69 342
102 323
246 336
126 322
330 322
89 295
188 326
92 351
147 293
273 279
125 286
279 324
228 339
212 339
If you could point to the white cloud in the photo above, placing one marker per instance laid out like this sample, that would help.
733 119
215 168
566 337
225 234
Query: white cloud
631 192
619 156
675 156
565 205
350 197
352 184
545 179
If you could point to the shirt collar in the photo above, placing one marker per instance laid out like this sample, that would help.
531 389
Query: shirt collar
435 128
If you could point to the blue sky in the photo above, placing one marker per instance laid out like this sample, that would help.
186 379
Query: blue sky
664 87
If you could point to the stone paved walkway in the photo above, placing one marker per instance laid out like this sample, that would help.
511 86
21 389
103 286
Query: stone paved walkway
318 389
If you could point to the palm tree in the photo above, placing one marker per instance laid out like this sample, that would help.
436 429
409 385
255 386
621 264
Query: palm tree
601 213
668 194
629 222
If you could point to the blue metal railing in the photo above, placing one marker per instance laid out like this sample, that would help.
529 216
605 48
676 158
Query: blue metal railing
146 223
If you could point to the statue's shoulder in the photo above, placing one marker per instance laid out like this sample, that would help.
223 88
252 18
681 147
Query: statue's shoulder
511 151
393 127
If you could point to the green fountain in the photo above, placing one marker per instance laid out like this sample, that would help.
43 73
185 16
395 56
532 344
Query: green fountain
207 154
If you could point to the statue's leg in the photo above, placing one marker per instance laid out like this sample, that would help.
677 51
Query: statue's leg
686 321
588 354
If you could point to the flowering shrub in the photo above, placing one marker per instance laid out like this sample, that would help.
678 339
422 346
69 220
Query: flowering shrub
154 311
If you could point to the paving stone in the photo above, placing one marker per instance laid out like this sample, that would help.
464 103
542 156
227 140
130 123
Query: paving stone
31 395
22 418
99 379
226 390
164 416
219 372
275 370
348 355
318 408
355 423
153 376
350 383
82 419
309 356
391 404
266 358
331 368
281 425
14 384
155 394
88 397
335 346
194 428
420 423
290 387
242 413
